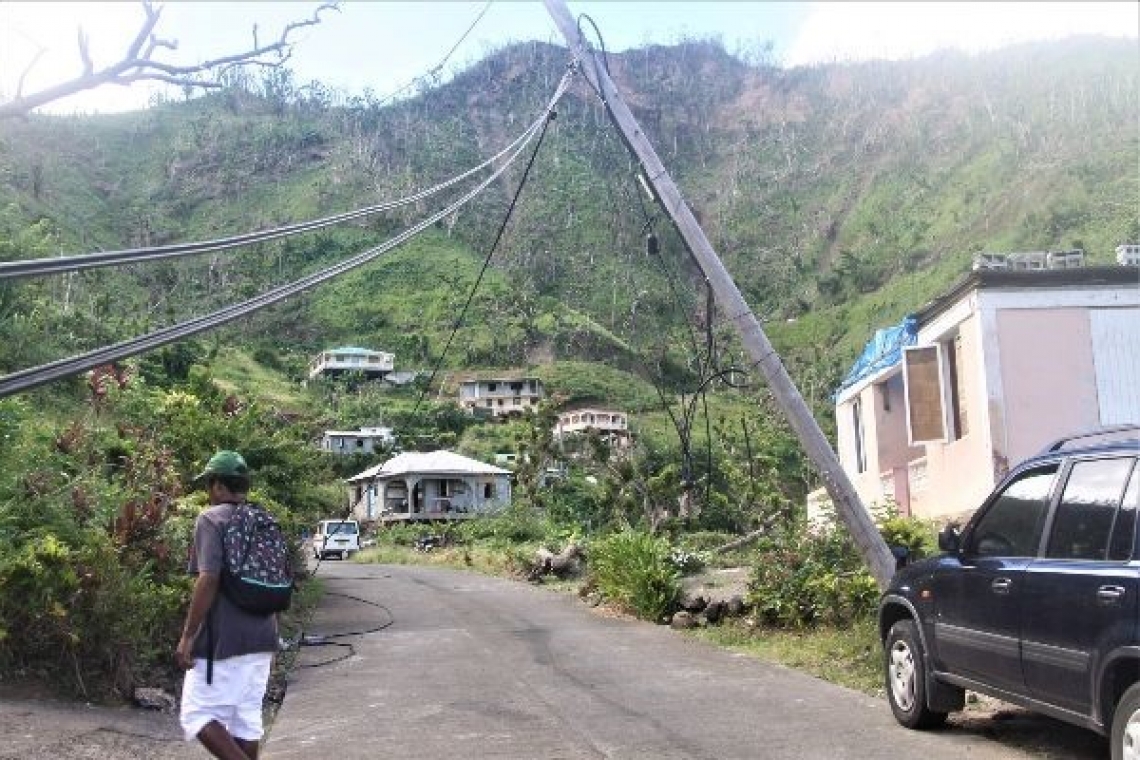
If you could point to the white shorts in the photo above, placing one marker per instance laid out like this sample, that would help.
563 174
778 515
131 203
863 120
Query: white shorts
233 699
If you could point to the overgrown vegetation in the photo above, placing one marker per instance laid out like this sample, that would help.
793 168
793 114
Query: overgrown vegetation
840 197
96 516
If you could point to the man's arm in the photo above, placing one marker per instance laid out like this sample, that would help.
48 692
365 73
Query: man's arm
205 590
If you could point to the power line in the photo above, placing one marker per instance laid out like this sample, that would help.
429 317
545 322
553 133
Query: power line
550 115
41 375
433 72
44 266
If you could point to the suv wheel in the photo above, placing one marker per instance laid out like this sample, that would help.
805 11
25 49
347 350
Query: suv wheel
906 678
1126 726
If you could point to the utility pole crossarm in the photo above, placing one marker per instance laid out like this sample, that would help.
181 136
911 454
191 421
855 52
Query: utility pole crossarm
849 507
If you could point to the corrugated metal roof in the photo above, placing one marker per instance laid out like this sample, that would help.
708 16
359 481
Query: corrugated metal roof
353 350
429 463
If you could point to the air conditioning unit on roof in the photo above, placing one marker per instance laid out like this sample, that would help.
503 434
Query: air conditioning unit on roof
1066 259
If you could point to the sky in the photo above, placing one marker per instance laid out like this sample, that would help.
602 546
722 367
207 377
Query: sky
382 46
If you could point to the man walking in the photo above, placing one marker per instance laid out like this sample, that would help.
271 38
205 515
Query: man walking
222 708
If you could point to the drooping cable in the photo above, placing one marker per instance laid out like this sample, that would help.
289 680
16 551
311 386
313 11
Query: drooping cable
433 72
486 261
41 375
44 266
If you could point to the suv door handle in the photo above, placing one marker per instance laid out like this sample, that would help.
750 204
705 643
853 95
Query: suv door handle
1108 595
1001 585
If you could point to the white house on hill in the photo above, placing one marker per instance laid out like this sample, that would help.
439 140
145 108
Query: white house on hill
338 361
496 397
363 441
611 425
940 407
437 485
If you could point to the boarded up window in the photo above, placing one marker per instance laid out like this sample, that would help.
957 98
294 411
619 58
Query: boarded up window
860 444
923 377
960 420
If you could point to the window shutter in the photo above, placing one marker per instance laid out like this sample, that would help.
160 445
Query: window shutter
922 374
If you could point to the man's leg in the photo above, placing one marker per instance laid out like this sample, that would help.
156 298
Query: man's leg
217 740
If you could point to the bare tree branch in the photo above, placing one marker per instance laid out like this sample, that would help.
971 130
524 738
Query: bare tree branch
27 70
137 63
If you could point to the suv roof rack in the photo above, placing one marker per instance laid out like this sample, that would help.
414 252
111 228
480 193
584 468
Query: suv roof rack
1061 443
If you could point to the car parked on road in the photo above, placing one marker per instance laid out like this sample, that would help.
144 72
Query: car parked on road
336 537
1035 602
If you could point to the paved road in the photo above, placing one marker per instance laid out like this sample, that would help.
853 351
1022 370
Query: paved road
483 668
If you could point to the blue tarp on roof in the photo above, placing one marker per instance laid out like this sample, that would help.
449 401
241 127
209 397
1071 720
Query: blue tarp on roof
883 351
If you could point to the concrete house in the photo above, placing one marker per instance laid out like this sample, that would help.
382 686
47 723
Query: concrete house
940 407
419 486
339 361
501 396
612 426
363 441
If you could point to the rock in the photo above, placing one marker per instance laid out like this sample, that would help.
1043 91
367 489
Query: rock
561 565
694 604
682 620
155 699
734 606
593 599
714 611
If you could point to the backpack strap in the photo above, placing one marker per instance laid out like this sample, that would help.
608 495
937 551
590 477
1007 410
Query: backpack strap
210 643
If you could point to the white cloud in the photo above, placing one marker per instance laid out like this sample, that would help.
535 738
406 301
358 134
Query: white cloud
865 30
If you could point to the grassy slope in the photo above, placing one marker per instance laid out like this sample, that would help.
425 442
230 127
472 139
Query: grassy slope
843 196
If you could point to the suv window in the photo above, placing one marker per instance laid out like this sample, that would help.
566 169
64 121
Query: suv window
1124 531
1012 525
1088 509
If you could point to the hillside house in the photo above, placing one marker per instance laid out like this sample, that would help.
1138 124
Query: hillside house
366 440
1128 255
339 361
497 397
612 426
438 485
939 408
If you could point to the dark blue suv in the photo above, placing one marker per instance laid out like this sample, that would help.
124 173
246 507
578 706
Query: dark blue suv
1036 602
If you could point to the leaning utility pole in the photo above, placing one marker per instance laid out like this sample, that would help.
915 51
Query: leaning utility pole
850 509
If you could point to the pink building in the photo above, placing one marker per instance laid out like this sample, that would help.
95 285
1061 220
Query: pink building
987 375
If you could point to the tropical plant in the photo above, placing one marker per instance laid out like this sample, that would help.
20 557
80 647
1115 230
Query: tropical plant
634 569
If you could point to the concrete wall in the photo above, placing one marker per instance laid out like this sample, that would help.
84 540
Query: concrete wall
1048 377
958 474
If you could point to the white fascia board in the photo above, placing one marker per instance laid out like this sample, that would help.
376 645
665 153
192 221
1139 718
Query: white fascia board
946 322
883 374
1061 298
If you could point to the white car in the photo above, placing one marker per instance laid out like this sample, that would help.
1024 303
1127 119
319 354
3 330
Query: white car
336 537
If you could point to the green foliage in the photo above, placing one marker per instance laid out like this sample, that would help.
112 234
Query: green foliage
919 537
95 522
634 569
810 577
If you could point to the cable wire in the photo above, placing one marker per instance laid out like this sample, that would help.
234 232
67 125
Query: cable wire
433 72
36 376
486 261
44 266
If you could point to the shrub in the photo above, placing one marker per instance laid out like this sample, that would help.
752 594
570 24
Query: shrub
920 537
688 562
633 568
803 577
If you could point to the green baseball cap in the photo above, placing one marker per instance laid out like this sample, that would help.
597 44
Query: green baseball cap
225 463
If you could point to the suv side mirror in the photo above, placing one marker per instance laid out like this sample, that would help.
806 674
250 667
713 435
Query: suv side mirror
949 540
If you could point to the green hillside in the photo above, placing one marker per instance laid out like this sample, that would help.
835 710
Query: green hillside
840 197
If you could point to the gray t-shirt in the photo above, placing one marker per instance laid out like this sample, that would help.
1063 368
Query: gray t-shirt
236 632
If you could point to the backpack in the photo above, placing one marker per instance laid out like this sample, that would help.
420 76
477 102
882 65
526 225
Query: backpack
257 573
